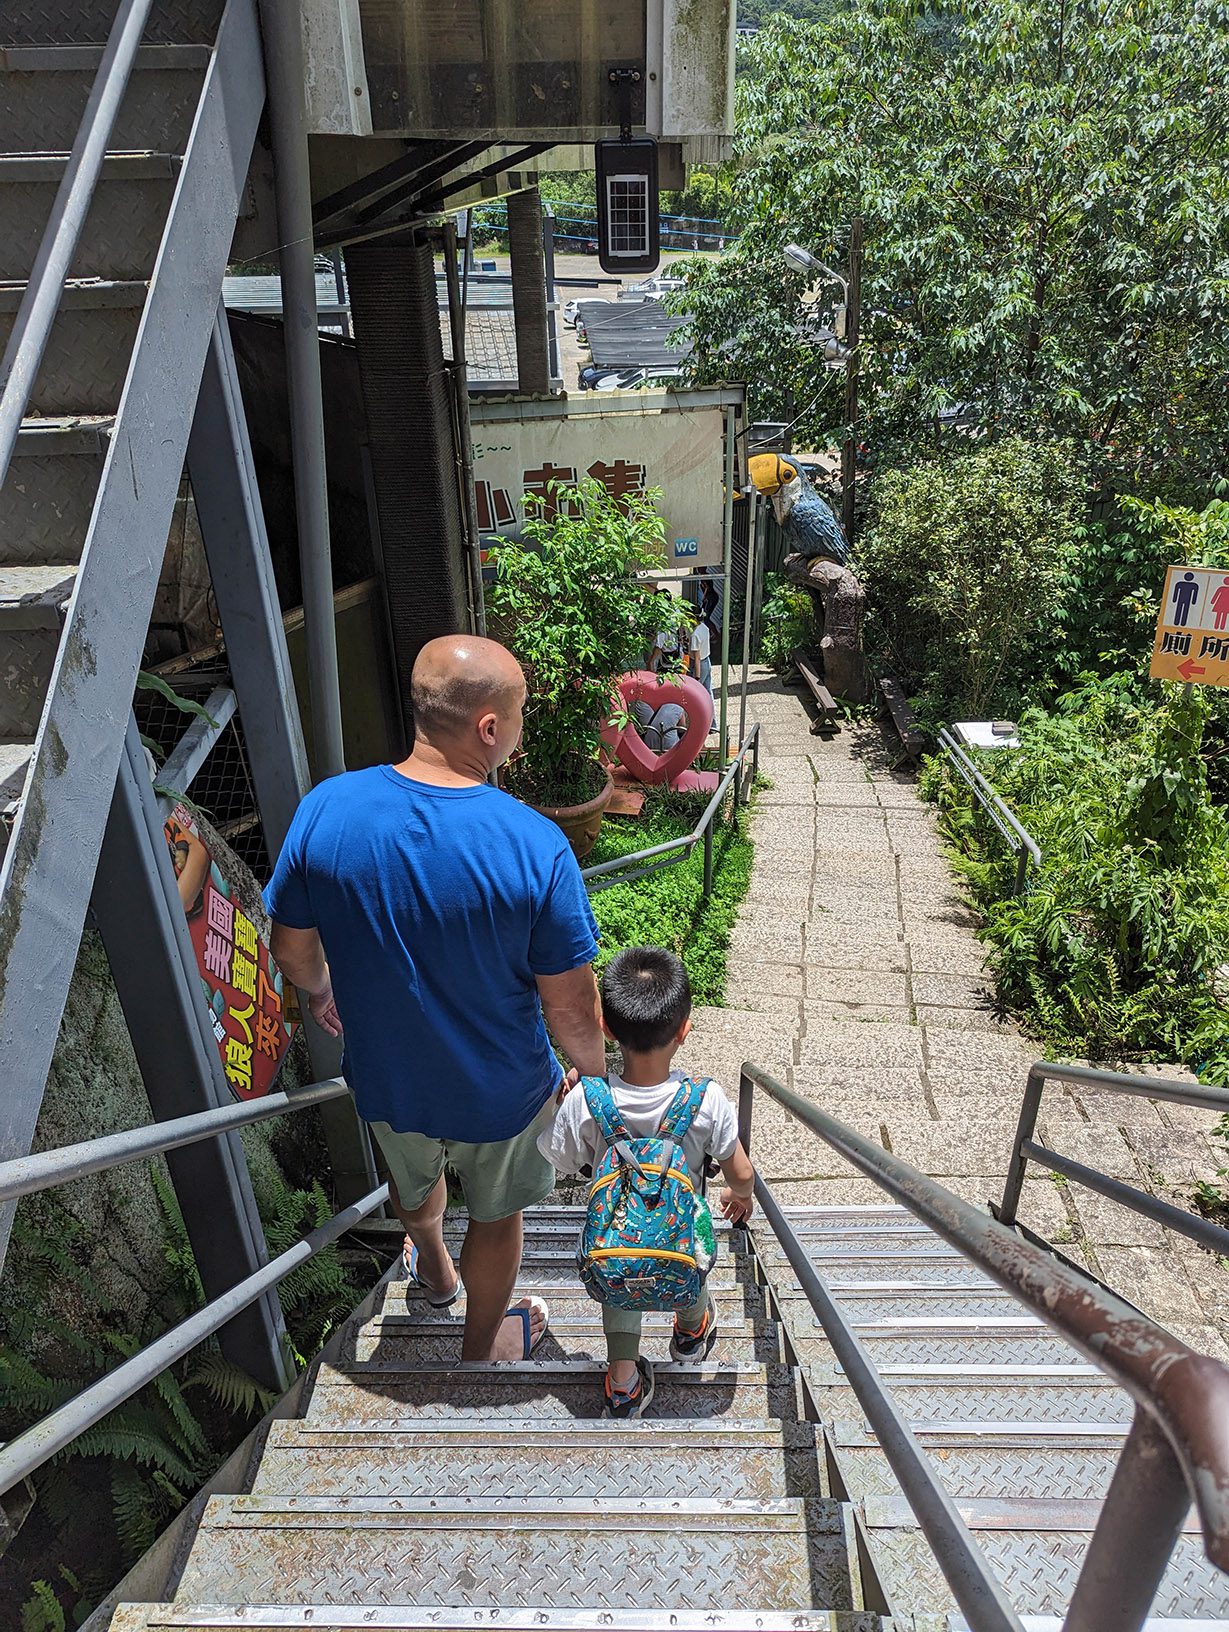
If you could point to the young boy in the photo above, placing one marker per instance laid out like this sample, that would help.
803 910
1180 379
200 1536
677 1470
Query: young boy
646 1009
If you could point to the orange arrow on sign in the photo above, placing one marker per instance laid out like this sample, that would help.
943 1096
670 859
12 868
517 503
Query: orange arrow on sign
1190 667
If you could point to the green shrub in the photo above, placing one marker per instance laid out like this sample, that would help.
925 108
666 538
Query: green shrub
788 620
967 569
1120 948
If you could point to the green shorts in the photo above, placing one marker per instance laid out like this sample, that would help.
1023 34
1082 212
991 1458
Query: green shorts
498 1179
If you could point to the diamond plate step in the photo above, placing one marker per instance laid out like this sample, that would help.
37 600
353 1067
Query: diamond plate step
32 601
866 1303
429 1618
487 1552
88 22
44 89
566 1302
373 1393
124 226
822 1247
48 497
1066 1473
557 1460
1037 1561
90 347
404 1339
899 1352
1056 1401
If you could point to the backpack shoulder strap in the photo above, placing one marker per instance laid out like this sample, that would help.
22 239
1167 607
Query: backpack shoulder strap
676 1124
603 1109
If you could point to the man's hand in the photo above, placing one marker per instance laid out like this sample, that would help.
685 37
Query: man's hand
324 1011
737 1209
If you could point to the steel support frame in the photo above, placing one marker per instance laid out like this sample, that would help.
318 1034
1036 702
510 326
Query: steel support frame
47 873
149 947
223 476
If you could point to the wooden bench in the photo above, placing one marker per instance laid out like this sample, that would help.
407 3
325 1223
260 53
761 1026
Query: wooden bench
824 700
903 718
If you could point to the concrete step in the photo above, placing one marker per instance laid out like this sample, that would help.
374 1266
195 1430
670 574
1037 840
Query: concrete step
15 754
48 497
44 89
87 356
488 1552
124 226
373 1393
32 602
404 1339
564 1459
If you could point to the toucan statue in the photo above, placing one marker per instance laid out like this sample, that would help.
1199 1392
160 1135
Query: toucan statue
801 514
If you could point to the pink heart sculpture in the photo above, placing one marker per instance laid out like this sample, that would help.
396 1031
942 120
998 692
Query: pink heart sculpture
630 747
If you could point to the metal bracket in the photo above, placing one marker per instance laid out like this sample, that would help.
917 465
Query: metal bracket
623 79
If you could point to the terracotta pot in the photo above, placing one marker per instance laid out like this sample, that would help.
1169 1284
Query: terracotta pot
581 823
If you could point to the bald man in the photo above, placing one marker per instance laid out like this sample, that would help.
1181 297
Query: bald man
433 921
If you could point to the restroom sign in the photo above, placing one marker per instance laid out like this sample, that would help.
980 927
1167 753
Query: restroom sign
1192 628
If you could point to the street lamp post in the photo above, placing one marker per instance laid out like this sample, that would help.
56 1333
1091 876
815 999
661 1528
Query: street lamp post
845 347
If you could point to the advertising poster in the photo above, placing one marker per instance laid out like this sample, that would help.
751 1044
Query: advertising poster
680 451
243 985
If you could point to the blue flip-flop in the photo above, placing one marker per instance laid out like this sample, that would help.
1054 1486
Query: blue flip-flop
410 1260
528 1342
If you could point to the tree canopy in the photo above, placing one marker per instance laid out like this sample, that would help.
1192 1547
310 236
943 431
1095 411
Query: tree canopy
1045 193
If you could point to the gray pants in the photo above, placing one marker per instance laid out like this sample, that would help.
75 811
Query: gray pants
622 1326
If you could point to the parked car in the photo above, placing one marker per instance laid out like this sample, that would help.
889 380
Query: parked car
570 310
591 377
652 288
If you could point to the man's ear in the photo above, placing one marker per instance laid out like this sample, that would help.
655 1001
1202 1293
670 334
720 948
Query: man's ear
488 727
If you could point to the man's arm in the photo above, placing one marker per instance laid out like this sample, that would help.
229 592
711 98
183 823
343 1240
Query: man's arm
299 954
573 1013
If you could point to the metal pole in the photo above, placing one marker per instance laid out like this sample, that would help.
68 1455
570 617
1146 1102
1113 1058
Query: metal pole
726 562
1024 1130
853 315
552 307
748 597
465 442
708 861
746 1108
284 68
1137 1531
41 300
1021 871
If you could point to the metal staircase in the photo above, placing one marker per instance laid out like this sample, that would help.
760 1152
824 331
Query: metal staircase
110 285
417 1493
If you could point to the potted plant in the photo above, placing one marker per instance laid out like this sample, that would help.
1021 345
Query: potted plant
566 602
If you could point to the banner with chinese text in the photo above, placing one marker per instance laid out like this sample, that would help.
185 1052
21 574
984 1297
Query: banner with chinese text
679 450
243 985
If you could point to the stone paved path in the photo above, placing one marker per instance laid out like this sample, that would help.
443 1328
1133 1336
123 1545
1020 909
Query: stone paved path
857 977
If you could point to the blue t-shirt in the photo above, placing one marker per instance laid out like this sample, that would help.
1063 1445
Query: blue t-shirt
437 907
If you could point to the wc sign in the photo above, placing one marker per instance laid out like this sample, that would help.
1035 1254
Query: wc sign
1192 627
686 546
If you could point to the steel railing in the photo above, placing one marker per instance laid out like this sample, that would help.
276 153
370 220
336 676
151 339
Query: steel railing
1213 1236
45 287
1177 1448
22 1177
610 873
1021 843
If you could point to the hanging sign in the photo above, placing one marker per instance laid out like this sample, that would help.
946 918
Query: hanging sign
1192 627
243 985
675 448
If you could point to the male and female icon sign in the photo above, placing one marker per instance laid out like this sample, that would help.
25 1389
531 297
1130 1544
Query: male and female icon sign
1185 595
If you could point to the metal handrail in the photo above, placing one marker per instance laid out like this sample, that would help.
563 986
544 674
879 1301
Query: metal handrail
1021 843
23 1455
26 1175
688 841
1177 1449
31 331
1213 1236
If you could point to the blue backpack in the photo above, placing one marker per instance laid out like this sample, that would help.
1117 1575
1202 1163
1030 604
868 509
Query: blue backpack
647 1240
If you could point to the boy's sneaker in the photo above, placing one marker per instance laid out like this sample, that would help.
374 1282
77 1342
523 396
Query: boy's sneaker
695 1346
633 1402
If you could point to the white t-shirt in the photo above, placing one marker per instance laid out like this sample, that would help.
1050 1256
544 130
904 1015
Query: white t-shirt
701 641
573 1140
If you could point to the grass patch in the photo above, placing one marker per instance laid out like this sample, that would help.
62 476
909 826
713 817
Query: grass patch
668 908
